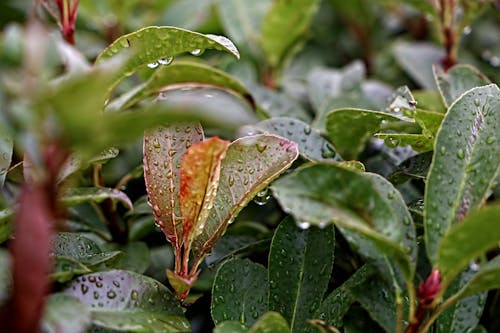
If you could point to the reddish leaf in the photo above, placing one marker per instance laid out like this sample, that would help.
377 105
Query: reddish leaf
200 171
163 151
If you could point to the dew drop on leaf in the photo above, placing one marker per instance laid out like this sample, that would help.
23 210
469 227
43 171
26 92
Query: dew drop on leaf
303 225
165 61
197 52
153 65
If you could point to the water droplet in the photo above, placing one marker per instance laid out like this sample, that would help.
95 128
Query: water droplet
262 197
442 150
156 143
307 130
261 147
467 30
165 61
92 279
96 295
153 65
490 139
134 295
231 180
84 288
111 294
391 142
460 154
477 102
98 284
116 284
197 52
328 151
303 225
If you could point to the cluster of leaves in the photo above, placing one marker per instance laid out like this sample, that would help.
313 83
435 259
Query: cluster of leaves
386 219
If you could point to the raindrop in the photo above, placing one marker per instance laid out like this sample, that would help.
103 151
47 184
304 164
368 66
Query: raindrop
98 284
460 154
260 147
391 142
262 197
84 289
490 140
165 61
96 295
467 30
307 130
153 65
92 279
327 151
116 284
134 295
231 180
442 150
303 225
111 294
156 143
197 52
495 61
477 102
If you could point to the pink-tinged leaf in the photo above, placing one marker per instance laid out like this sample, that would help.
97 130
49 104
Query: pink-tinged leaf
163 151
251 163
200 171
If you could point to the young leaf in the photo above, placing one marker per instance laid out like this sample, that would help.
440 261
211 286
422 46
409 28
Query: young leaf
200 172
239 292
457 80
477 233
163 150
430 121
312 145
152 44
251 163
75 196
270 322
178 72
6 147
466 160
126 301
349 129
325 193
300 265
66 314
285 22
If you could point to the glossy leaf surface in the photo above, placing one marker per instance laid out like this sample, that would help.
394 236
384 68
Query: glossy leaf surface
270 322
300 264
487 278
75 196
239 292
66 314
466 160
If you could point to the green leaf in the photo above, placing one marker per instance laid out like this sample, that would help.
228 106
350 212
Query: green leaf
6 227
230 327
419 142
135 256
66 314
430 121
126 301
6 147
75 196
164 148
283 25
457 80
325 193
417 59
415 167
349 129
251 163
466 160
338 302
312 145
476 234
300 265
192 73
242 21
429 100
152 44
464 314
65 268
270 322
239 292
487 278
237 245
200 174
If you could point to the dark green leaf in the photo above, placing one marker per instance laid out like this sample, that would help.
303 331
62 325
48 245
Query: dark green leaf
239 292
65 268
270 322
487 278
466 160
236 245
127 301
418 142
230 327
251 163
75 196
429 121
300 264
135 256
312 145
457 80
415 167
66 314
285 22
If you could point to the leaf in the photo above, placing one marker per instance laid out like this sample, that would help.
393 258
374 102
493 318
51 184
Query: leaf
418 142
163 150
487 278
417 59
6 227
239 292
236 246
242 21
150 44
82 249
457 80
338 302
349 129
429 121
300 265
464 314
251 163
135 256
6 148
179 72
5 277
312 145
415 167
230 327
285 22
66 314
476 234
325 193
270 322
65 268
200 173
126 301
465 162
75 196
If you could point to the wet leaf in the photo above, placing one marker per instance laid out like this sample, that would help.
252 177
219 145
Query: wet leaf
65 268
324 193
151 45
349 129
457 80
312 145
270 322
200 173
487 278
284 23
251 163
239 292
66 314
300 265
163 150
464 242
230 327
78 195
192 73
418 142
126 301
6 148
415 167
466 160
134 256
429 121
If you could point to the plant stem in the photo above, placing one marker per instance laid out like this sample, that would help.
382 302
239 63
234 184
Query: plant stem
434 314
449 32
